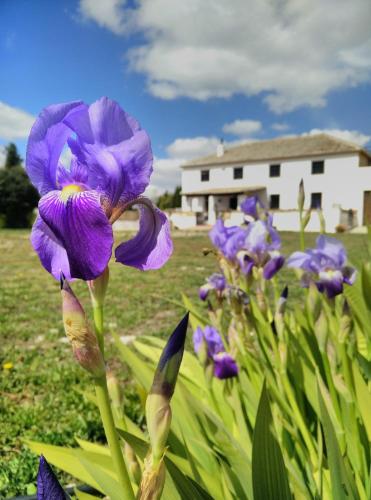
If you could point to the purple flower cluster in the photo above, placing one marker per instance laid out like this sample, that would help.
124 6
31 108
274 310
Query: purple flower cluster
216 282
224 364
325 266
256 245
110 168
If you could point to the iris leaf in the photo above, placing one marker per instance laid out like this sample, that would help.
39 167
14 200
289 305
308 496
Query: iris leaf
269 475
341 487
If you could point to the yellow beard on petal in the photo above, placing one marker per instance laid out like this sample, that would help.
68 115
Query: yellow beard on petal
70 190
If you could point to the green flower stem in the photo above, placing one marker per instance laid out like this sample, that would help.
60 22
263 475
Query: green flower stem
302 237
112 437
107 416
98 324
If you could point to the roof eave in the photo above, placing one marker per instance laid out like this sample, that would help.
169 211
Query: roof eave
217 162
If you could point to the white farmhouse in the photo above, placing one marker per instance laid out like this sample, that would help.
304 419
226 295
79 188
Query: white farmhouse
336 175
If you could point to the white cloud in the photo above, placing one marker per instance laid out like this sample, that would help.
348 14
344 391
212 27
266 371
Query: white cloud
291 52
166 176
346 135
192 147
243 128
107 14
14 123
280 127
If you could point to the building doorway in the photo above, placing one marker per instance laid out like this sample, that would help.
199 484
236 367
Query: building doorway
367 208
233 202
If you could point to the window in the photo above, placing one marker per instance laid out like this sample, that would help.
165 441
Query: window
318 167
205 175
274 201
238 173
316 200
274 170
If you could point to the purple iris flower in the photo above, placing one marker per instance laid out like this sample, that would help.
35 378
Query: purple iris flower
224 364
48 487
325 265
257 245
261 249
212 338
226 238
251 205
215 282
110 168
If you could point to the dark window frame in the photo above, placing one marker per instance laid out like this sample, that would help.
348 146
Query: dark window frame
275 170
313 203
276 204
205 175
237 172
318 167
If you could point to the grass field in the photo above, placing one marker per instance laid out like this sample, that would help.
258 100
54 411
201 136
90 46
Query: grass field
39 396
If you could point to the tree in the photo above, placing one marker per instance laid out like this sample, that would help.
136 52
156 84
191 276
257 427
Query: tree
13 158
18 197
170 200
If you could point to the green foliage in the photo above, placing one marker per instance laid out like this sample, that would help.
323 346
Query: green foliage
170 200
268 469
18 197
212 432
13 158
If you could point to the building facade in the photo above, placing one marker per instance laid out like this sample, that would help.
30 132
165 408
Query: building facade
336 175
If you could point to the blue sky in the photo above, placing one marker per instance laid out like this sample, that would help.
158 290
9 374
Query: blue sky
191 72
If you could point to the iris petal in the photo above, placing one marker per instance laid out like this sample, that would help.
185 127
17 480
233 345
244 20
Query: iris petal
332 248
50 249
152 246
81 226
273 266
115 149
225 366
45 144
331 282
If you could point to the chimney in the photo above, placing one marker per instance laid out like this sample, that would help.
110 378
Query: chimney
220 148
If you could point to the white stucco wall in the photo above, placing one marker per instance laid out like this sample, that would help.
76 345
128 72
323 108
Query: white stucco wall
342 185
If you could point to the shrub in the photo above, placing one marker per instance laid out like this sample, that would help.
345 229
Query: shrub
18 197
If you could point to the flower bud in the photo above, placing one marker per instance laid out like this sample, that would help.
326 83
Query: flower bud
346 323
301 196
281 304
133 464
153 480
47 484
279 321
84 343
158 411
98 288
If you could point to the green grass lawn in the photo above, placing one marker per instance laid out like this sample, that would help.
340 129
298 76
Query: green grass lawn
39 396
